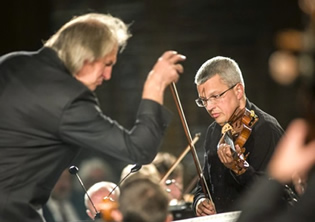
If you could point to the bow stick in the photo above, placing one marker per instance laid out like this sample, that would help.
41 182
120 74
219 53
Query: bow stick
203 182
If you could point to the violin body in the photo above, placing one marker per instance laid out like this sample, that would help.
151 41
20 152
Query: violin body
237 132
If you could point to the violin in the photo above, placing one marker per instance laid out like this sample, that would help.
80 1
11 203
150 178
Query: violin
236 132
108 209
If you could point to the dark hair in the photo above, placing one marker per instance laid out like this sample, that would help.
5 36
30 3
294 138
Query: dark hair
143 200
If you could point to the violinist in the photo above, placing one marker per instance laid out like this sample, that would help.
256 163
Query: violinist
230 167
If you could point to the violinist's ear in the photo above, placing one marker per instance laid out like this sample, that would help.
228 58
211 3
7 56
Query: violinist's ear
240 91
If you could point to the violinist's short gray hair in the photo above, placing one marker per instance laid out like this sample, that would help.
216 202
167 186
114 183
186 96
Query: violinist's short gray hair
225 67
87 38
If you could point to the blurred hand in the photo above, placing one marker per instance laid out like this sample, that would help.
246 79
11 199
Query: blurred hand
205 207
292 156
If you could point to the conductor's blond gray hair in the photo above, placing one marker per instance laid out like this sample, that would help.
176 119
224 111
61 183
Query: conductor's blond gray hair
87 38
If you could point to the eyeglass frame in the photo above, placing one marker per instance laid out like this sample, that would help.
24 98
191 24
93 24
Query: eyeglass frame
203 102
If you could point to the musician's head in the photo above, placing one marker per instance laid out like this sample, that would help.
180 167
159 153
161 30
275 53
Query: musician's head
144 200
221 88
97 193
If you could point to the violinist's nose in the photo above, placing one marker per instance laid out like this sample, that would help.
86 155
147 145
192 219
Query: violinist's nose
209 106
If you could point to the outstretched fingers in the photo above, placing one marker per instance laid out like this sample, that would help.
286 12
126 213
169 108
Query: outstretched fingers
292 154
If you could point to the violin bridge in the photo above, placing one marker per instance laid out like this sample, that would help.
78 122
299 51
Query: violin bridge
227 127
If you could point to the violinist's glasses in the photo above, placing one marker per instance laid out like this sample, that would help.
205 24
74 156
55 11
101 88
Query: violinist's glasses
201 102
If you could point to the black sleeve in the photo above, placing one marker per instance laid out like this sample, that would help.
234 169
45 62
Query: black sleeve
83 124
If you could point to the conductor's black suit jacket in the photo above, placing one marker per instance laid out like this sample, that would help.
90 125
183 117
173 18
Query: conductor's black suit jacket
46 117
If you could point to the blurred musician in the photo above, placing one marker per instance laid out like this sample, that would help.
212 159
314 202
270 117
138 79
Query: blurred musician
180 204
97 193
143 200
147 170
263 201
59 207
174 183
294 159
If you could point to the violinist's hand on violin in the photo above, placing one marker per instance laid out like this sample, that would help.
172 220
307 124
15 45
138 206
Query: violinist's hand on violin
205 207
165 71
226 156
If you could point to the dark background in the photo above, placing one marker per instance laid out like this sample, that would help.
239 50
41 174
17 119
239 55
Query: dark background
200 29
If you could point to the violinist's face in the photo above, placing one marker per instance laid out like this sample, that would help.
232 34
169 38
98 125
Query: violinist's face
222 108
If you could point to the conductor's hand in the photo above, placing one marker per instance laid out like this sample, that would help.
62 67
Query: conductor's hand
205 207
165 71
